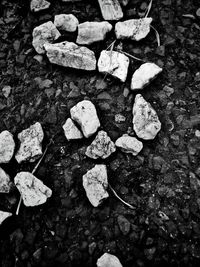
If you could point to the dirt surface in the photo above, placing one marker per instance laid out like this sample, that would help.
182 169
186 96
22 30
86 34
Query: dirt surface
162 182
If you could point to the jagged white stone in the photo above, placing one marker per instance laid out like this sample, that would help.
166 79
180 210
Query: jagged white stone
32 190
5 182
95 183
90 32
108 260
38 5
146 123
144 75
7 146
30 147
110 9
129 144
101 147
114 63
134 29
71 131
66 22
43 34
84 113
68 54
4 215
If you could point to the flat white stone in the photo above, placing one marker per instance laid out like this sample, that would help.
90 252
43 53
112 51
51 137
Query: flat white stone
114 63
38 5
68 54
7 146
84 113
95 183
108 260
101 147
66 22
110 9
43 34
4 215
5 182
146 123
129 144
134 29
144 75
90 32
30 147
71 131
32 190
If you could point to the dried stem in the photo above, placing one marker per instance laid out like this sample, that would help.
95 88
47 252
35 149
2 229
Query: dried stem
157 35
148 9
131 56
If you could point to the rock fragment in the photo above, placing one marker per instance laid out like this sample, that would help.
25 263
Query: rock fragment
43 34
110 9
66 22
134 29
129 144
5 182
30 147
95 183
146 123
39 5
144 75
32 190
108 260
114 63
4 215
7 146
90 32
84 113
71 131
68 54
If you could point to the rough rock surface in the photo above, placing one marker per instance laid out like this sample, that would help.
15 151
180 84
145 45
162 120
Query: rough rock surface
114 63
5 182
66 22
71 131
38 5
129 144
90 32
84 113
32 190
7 146
95 183
68 54
101 147
4 215
146 123
30 147
110 9
43 34
108 260
143 76
134 29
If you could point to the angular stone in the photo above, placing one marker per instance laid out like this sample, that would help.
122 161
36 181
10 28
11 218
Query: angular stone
144 75
129 144
95 183
108 260
146 123
32 190
5 182
39 5
134 29
110 9
66 22
71 131
69 54
114 63
101 147
30 147
4 215
90 32
7 146
84 113
43 34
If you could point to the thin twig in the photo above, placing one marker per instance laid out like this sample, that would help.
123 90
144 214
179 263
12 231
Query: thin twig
112 44
157 35
131 56
18 206
148 9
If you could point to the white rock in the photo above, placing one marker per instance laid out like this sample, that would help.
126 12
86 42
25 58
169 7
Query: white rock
95 183
101 147
38 5
110 9
7 146
69 54
43 34
71 131
5 182
114 63
84 113
108 260
129 144
146 123
30 147
66 22
90 32
142 76
32 190
4 215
